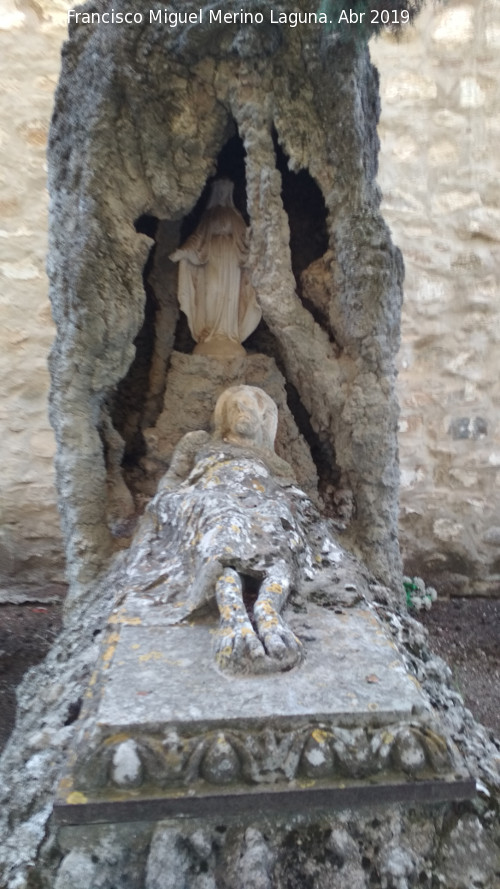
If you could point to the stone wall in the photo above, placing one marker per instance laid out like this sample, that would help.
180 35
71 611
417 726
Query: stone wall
30 43
439 175
437 169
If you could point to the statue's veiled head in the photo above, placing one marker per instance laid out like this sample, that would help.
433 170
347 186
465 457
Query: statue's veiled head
246 415
221 193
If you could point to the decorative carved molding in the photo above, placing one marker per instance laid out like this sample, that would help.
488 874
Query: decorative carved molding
264 756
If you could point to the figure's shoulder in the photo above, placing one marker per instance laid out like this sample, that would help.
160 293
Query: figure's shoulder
195 439
190 444
183 458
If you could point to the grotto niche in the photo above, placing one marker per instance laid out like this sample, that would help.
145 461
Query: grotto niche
141 129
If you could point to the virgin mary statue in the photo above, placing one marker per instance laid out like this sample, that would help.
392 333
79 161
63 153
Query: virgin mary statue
214 288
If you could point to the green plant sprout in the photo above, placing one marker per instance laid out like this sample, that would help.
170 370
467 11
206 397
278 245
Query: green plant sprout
418 596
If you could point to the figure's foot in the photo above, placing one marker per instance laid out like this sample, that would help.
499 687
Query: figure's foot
237 647
280 643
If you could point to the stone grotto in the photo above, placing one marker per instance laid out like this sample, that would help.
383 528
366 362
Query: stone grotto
238 699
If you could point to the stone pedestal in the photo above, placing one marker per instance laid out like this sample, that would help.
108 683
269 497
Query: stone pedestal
166 733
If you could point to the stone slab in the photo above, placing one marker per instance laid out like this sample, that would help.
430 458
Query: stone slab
165 732
352 675
266 802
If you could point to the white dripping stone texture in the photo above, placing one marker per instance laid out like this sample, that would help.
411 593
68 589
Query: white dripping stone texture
439 175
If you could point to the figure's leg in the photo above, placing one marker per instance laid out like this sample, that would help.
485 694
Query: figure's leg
237 646
279 641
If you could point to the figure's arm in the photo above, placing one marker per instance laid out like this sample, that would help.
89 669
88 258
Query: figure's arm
195 249
280 469
183 460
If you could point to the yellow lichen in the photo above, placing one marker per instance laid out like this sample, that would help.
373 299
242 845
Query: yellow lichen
151 656
274 587
111 648
122 618
414 680
93 679
224 655
65 783
116 739
320 736
76 798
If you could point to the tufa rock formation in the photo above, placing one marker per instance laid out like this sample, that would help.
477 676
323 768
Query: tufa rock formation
145 115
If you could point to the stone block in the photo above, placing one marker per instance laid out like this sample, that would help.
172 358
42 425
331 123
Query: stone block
447 530
442 153
472 95
468 427
410 87
161 720
454 27
492 536
492 34
454 200
481 222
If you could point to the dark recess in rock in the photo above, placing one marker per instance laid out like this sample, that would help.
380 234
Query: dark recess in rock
322 451
129 400
230 164
307 213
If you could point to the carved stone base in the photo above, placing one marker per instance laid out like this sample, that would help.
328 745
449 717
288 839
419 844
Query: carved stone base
162 723
221 348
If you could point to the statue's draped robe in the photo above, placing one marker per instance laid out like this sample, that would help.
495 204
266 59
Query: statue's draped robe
214 287
230 511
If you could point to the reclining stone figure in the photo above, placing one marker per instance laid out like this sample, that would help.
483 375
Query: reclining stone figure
228 514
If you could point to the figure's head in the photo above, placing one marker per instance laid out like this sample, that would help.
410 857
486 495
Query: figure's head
221 193
246 415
